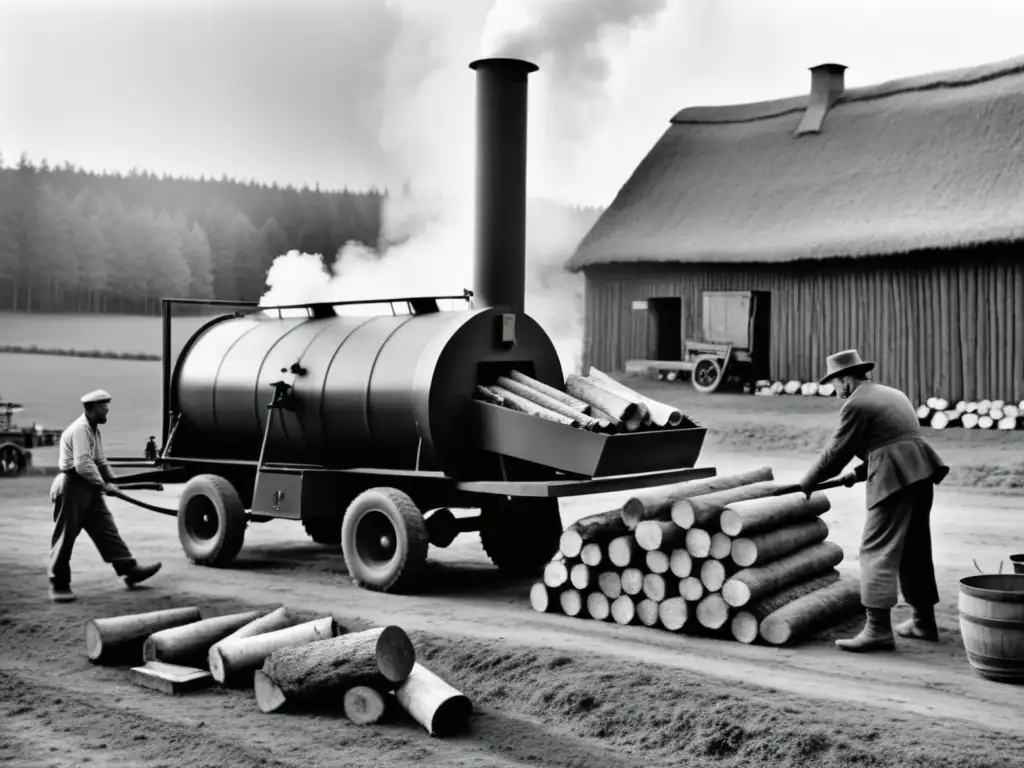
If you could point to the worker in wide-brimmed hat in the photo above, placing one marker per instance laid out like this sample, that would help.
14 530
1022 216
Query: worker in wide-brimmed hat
78 504
879 425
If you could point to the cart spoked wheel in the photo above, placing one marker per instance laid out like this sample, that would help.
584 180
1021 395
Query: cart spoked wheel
211 520
325 531
12 460
707 375
521 535
384 539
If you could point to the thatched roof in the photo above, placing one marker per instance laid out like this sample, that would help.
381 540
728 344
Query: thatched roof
935 161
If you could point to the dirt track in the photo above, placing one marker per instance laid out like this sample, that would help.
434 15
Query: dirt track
899 696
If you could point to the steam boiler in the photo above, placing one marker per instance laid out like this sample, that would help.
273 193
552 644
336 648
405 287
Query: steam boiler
365 428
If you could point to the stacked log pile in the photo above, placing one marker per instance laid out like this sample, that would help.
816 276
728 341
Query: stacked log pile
595 402
719 556
939 413
289 664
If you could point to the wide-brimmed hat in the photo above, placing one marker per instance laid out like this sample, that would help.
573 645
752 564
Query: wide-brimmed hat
842 363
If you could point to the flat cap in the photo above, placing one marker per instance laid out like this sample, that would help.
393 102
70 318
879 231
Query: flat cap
96 396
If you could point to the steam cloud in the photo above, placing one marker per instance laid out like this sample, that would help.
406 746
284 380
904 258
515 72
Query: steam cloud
427 133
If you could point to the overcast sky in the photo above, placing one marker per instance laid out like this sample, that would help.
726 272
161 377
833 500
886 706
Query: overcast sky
376 92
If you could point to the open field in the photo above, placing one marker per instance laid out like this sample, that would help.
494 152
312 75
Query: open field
548 689
49 388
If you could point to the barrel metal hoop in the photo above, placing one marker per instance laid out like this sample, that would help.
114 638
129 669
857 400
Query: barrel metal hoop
984 621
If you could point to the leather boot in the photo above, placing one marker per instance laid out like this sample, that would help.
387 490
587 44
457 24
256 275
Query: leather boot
61 594
139 573
876 635
920 626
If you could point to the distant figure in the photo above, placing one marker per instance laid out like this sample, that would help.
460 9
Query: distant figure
879 425
151 449
77 494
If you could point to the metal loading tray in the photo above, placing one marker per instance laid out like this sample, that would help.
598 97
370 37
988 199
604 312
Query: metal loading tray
591 454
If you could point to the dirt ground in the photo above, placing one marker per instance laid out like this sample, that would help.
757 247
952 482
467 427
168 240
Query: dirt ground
547 689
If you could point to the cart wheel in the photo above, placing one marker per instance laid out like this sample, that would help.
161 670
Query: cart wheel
384 539
707 375
12 460
325 531
211 520
521 535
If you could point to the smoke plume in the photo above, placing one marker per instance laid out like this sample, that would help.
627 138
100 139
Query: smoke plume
428 136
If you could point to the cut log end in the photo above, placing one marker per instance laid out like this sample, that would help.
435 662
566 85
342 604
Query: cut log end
657 562
735 593
363 705
395 654
680 563
647 612
623 610
591 554
269 697
744 627
571 543
540 598
93 641
598 606
571 602
712 612
673 613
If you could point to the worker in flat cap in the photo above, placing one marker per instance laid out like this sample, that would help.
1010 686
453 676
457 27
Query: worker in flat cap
78 504
878 424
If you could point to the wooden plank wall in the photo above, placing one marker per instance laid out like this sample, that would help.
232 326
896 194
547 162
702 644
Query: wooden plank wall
943 324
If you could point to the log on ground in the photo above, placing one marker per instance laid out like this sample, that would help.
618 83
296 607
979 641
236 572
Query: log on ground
647 612
598 528
656 503
592 554
673 613
759 581
121 638
280 618
235 659
691 589
680 562
745 518
713 574
712 611
599 607
610 583
571 602
821 608
433 703
721 545
543 598
311 674
704 511
767 546
579 576
364 705
746 623
189 645
698 543
623 610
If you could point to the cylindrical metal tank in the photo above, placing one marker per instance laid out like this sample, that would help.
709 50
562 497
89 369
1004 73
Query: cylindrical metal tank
373 386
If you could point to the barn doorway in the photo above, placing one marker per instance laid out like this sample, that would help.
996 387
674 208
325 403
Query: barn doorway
665 328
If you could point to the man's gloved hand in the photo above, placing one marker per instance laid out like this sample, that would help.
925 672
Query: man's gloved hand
849 479
110 488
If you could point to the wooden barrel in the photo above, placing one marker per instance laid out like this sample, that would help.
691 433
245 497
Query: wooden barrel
992 625
1018 563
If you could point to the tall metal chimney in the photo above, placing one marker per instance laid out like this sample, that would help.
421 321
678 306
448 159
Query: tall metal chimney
827 85
500 258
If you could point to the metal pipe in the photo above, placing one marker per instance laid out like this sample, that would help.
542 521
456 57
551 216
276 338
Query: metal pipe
500 250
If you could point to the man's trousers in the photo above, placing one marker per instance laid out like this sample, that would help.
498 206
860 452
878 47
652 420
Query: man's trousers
897 547
81 507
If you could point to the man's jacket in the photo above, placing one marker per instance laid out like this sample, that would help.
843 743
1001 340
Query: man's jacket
878 425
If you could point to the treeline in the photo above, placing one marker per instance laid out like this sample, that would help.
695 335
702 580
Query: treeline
72 240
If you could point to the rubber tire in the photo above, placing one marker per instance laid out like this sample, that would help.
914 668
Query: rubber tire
520 536
225 545
412 540
707 389
18 458
326 531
